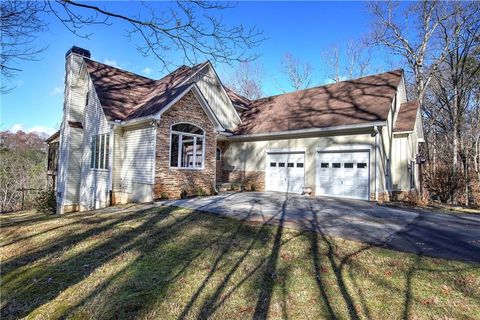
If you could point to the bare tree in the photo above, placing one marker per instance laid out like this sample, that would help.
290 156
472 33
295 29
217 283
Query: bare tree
455 79
299 73
358 59
194 28
331 56
393 30
350 61
247 80
20 23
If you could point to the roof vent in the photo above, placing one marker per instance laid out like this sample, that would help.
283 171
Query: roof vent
79 51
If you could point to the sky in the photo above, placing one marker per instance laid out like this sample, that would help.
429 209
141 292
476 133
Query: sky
303 29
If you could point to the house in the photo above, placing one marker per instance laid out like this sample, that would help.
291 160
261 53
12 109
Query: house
127 138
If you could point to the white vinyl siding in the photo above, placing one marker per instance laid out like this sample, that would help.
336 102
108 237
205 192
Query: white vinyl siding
118 154
138 157
402 155
71 139
95 186
63 152
212 90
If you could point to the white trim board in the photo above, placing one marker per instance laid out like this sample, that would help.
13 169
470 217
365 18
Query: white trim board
198 94
307 131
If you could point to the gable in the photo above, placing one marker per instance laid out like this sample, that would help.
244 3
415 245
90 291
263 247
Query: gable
200 100
125 95
214 92
188 109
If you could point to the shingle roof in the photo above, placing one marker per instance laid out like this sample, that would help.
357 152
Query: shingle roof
53 137
406 117
125 95
357 101
237 99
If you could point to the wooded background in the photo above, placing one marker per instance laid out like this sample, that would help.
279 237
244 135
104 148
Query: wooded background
437 44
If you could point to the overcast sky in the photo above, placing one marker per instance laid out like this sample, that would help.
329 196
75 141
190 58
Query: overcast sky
304 29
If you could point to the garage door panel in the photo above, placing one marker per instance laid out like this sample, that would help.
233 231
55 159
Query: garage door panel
344 174
285 172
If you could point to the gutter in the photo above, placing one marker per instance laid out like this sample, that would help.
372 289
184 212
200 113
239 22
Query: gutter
132 122
309 131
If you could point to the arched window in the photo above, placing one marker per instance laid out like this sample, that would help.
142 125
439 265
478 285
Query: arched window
187 146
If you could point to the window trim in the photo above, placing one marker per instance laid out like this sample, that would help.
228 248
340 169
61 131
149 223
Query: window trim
180 138
105 155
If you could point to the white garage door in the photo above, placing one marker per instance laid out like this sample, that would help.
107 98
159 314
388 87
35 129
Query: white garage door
343 174
285 172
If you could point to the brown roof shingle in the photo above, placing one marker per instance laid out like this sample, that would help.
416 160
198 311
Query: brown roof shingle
357 101
237 99
125 95
406 117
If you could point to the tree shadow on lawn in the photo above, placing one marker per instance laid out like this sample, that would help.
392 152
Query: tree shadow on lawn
193 265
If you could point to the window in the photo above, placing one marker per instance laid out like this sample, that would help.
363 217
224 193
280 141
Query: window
336 165
99 149
52 156
324 165
299 165
348 165
411 169
187 149
87 98
361 165
219 154
281 164
290 164
273 164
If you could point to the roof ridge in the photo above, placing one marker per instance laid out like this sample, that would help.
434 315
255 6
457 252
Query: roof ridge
120 69
325 85
159 82
238 94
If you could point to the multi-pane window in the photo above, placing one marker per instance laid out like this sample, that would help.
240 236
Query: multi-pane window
99 147
187 149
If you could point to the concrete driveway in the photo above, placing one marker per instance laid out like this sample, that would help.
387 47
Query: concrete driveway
434 234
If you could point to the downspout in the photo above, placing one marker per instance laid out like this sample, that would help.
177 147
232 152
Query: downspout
215 190
375 129
110 164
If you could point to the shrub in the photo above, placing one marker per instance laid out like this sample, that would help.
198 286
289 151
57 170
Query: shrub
46 202
163 195
201 192
183 194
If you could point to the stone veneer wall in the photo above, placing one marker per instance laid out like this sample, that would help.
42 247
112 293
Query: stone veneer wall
383 196
251 180
172 182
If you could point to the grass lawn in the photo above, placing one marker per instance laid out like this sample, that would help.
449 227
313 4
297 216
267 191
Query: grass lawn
167 263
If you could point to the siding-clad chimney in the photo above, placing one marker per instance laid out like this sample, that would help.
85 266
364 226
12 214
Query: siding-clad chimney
71 131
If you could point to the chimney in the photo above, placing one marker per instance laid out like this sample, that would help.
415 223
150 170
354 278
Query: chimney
79 51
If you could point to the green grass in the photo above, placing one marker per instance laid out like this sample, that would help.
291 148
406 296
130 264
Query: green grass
167 263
